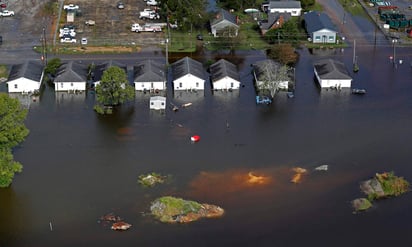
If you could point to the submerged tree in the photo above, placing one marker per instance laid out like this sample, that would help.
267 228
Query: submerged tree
284 53
269 75
113 89
12 132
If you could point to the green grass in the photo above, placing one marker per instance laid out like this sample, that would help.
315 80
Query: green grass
182 41
4 72
315 7
353 7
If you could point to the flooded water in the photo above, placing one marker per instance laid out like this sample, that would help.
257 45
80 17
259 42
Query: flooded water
79 166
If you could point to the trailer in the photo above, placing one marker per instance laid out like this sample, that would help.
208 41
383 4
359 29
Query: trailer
136 27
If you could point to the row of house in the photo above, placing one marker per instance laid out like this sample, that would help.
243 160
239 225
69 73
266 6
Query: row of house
149 75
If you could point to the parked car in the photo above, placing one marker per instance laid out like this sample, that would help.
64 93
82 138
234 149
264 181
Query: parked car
7 13
68 40
152 3
89 23
120 5
71 7
199 37
84 41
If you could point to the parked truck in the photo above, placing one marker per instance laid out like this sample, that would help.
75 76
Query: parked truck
149 14
136 27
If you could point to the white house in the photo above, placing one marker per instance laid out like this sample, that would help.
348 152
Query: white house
188 74
26 77
157 103
319 27
292 7
332 74
225 24
260 73
71 77
149 76
224 75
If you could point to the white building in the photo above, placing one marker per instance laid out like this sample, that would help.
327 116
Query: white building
71 77
319 27
149 76
294 8
188 74
157 103
26 77
224 24
332 74
224 75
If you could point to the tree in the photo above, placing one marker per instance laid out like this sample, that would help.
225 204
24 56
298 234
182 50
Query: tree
289 32
270 74
284 53
52 66
12 132
188 14
114 88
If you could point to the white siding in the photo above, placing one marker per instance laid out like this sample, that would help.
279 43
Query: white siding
226 83
156 85
189 82
21 85
69 86
157 103
324 36
292 11
333 83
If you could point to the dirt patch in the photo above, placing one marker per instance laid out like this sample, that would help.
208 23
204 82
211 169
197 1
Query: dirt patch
104 49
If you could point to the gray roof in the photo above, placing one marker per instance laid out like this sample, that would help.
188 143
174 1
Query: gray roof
285 5
100 68
331 69
272 19
186 66
72 72
223 68
315 21
32 70
223 15
149 70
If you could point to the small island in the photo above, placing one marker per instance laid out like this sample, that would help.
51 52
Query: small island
151 179
382 185
170 209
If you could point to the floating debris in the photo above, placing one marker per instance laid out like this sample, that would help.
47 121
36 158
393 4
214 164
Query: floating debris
361 204
151 179
121 225
111 217
322 168
297 178
253 179
195 138
186 105
170 209
384 185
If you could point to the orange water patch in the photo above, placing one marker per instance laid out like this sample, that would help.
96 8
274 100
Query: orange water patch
125 131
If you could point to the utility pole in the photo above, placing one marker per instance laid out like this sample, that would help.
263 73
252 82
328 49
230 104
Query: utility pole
44 47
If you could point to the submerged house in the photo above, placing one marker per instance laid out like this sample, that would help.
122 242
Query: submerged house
71 77
188 74
157 103
224 75
26 77
149 76
319 27
332 74
224 22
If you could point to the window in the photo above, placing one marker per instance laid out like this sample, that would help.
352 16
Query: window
317 37
231 84
15 86
151 103
180 84
197 84
61 84
71 84
163 103
331 38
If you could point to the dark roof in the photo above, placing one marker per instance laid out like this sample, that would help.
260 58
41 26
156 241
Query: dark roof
223 68
331 69
315 21
72 72
186 66
32 70
100 68
149 70
284 5
273 18
223 15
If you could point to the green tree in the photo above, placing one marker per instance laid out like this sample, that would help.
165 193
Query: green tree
289 32
307 3
284 53
52 66
12 132
189 14
114 88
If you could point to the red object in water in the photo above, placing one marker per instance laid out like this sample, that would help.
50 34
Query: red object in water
195 138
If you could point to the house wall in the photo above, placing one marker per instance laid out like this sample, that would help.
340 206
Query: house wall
156 85
189 82
292 11
69 86
222 25
21 85
157 104
226 83
324 36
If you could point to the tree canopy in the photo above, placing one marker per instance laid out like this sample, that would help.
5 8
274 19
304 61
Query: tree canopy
187 13
289 32
270 74
284 53
12 132
114 88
